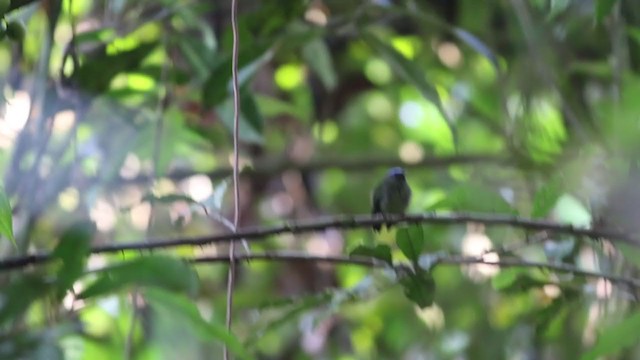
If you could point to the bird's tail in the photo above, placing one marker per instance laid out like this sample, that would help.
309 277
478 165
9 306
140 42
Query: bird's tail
376 227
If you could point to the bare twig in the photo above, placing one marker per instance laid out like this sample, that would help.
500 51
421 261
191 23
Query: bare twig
236 164
290 256
342 222
273 166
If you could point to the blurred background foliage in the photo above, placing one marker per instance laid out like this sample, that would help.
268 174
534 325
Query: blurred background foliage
116 126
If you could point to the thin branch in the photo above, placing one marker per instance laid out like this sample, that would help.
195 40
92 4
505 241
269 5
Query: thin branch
291 256
236 164
343 222
273 166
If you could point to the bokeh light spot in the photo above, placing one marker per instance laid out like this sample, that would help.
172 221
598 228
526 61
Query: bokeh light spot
379 107
289 76
327 132
377 71
411 152
198 187
449 54
69 199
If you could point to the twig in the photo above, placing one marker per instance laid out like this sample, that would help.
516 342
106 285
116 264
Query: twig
290 256
272 166
342 222
236 170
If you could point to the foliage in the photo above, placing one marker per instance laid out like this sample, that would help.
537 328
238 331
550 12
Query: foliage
116 126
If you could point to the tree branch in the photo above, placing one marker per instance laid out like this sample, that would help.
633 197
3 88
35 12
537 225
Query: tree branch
342 222
272 166
293 256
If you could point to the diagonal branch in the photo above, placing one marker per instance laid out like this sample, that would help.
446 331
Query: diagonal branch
343 222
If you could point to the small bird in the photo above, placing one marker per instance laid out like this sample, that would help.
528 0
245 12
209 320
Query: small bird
392 195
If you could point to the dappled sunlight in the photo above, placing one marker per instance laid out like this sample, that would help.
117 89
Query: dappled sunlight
163 186
131 167
197 187
406 45
432 316
139 215
69 199
281 204
318 245
604 288
380 107
514 124
14 118
327 132
289 76
411 152
243 161
410 114
317 13
424 122
377 71
477 244
63 122
104 215
552 291
449 54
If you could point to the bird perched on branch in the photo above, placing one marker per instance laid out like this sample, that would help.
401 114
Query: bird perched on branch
391 196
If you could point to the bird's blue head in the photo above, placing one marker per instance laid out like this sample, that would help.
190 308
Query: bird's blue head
396 172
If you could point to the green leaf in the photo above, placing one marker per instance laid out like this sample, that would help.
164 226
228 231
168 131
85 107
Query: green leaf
102 35
546 198
616 337
196 55
251 111
272 107
249 131
17 296
183 310
95 74
410 240
505 278
318 56
150 271
218 85
603 9
515 281
72 250
380 252
6 217
419 288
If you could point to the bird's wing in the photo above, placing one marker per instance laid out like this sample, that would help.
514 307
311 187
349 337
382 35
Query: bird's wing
375 206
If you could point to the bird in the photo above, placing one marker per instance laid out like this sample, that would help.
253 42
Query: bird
391 195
